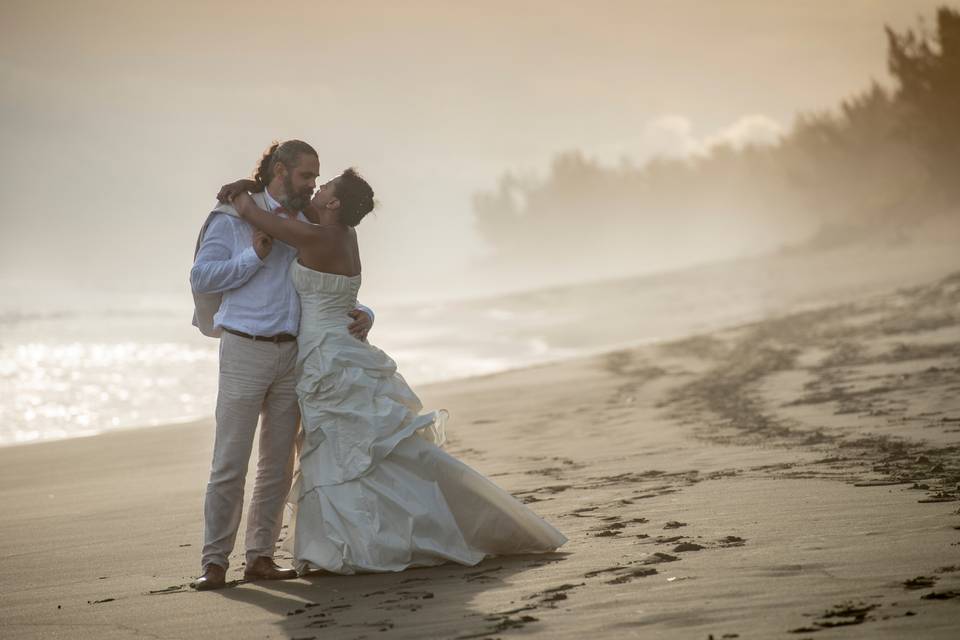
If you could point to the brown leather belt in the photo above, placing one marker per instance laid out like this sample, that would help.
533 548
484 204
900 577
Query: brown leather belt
280 337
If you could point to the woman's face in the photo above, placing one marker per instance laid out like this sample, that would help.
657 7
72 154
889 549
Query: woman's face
325 194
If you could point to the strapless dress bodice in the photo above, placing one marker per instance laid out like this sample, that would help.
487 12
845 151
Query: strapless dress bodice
312 282
325 298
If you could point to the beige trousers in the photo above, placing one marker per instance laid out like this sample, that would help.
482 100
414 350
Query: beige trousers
256 379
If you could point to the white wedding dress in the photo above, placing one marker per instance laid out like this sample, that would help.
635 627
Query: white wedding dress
374 491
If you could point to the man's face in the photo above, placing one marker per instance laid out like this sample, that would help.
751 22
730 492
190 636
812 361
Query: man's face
298 181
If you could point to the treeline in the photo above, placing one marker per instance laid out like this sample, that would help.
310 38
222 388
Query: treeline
880 162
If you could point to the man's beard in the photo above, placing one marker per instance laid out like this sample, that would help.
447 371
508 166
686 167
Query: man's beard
294 202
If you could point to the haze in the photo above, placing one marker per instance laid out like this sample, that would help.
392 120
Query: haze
120 120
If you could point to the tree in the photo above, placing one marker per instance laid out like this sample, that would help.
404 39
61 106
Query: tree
927 67
873 166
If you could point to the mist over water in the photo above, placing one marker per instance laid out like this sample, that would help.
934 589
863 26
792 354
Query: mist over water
78 371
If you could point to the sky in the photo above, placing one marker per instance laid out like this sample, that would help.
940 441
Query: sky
121 119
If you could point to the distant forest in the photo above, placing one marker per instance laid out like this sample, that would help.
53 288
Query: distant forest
883 161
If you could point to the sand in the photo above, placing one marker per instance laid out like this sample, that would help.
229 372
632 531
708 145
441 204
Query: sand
794 478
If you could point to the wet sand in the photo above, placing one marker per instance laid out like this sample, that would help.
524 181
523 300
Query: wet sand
793 478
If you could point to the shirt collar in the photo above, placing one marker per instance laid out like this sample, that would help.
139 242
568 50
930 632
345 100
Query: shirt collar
271 201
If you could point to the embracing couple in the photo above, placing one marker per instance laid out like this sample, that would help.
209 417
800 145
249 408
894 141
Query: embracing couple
275 277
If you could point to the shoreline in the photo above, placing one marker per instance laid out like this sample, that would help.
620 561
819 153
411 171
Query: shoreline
482 337
585 354
785 477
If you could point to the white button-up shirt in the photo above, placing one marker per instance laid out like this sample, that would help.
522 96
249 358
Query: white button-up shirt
258 295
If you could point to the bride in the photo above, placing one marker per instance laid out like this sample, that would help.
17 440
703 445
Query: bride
374 492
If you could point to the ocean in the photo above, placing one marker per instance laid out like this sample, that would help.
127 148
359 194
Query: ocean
75 365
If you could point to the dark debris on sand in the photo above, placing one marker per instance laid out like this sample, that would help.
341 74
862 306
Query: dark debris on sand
631 574
841 615
723 396
920 582
942 595
501 623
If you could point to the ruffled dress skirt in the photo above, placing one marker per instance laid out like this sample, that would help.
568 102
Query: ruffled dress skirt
374 490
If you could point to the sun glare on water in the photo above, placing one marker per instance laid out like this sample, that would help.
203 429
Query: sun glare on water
55 391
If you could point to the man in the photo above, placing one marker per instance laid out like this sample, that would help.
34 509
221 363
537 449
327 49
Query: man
244 295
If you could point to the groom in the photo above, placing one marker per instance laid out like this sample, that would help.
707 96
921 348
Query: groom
244 295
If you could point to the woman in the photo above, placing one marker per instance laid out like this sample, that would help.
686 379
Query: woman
374 490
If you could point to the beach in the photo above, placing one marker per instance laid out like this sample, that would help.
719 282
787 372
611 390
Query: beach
794 477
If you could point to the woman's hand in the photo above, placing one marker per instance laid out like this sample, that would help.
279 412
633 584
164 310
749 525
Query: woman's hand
242 203
361 324
230 191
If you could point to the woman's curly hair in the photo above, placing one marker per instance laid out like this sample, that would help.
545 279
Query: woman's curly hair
355 196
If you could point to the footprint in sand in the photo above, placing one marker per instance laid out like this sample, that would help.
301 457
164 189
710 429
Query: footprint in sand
321 622
402 601
632 574
658 557
608 530
667 539
597 572
481 576
502 623
920 582
615 526
685 544
841 615
527 497
627 573
732 541
547 597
